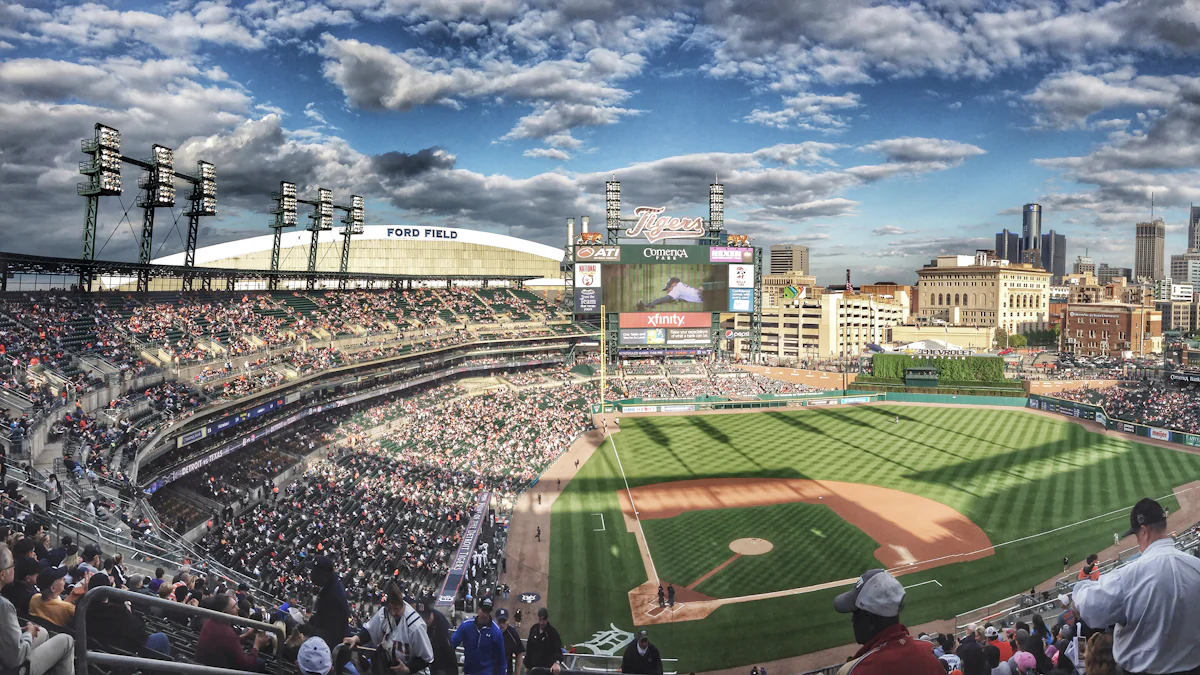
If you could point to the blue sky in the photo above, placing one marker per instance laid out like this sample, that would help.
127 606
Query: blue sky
879 133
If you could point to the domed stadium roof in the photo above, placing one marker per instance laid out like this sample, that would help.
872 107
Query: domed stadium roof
390 249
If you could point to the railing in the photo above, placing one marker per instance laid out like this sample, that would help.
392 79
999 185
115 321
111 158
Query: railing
827 670
603 663
83 656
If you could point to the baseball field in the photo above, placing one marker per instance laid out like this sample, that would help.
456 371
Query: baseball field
760 519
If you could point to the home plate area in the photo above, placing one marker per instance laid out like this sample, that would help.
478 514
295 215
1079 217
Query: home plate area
740 547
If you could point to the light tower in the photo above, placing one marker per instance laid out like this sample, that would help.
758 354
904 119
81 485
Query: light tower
322 221
353 225
103 170
716 212
285 216
612 209
159 186
203 203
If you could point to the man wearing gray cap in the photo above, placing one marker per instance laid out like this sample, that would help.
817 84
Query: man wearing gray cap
642 657
887 647
1152 601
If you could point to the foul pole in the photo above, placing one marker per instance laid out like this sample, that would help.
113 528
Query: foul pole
603 358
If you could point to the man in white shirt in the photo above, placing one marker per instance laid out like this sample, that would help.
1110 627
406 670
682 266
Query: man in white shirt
1152 601
676 291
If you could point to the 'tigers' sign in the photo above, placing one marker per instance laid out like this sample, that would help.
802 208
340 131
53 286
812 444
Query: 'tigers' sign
655 227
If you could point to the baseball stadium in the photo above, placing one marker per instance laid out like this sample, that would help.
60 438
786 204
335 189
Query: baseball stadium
396 436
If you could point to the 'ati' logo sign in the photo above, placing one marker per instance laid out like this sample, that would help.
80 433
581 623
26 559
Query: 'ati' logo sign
654 226
599 253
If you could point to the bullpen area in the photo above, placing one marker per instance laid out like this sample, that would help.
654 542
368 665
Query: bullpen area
758 520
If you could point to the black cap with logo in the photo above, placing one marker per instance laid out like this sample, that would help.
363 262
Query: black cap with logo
1145 512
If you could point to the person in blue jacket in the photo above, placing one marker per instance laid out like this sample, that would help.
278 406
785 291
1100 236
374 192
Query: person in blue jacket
483 643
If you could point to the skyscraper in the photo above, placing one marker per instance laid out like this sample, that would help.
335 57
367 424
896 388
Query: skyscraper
1054 253
789 258
1031 225
1194 229
1148 254
1084 265
1008 246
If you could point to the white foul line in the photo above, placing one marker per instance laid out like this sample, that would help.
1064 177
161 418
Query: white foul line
601 522
635 510
931 581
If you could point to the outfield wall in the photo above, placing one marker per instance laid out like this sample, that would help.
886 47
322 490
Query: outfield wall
1098 414
956 399
813 378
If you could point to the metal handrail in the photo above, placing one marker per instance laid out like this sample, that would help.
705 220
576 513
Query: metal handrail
82 654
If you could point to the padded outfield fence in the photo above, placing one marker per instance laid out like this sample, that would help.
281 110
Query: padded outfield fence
824 398
1096 413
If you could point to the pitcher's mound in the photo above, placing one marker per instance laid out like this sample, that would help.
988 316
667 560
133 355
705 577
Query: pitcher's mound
751 546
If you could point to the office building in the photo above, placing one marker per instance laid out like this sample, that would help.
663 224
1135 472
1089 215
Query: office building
1194 229
1008 246
830 325
1031 225
1054 254
981 291
1084 265
1185 267
1106 274
1111 328
1148 254
788 288
789 258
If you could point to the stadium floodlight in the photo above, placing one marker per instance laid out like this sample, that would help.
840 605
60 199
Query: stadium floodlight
716 207
355 215
612 204
108 137
285 205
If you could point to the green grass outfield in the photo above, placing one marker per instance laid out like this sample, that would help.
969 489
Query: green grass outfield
1013 473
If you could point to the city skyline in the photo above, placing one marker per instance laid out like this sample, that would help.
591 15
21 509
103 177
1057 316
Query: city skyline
880 135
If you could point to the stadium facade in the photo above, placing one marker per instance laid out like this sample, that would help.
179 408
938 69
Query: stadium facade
437 252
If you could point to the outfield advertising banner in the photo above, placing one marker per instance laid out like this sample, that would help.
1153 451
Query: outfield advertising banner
1160 434
666 320
588 300
741 299
639 408
677 408
729 254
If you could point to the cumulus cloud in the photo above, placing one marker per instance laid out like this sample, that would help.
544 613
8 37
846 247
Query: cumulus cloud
556 154
1068 99
807 111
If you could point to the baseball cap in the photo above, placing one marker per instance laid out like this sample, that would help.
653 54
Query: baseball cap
314 657
136 580
48 575
643 634
670 281
322 563
1145 512
876 592
486 603
1025 661
98 580
425 605
991 632
502 614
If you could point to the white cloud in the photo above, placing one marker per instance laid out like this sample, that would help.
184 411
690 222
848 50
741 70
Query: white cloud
548 153
912 149
890 230
955 106
807 111
1068 99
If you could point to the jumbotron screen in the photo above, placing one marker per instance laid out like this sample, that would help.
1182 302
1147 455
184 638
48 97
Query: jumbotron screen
683 287
657 285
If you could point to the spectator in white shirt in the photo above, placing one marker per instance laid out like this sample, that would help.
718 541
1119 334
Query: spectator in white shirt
1152 601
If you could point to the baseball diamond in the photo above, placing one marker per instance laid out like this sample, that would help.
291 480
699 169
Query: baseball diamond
986 502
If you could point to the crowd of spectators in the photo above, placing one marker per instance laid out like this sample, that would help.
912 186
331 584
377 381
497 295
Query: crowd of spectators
1150 404
740 384
401 500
